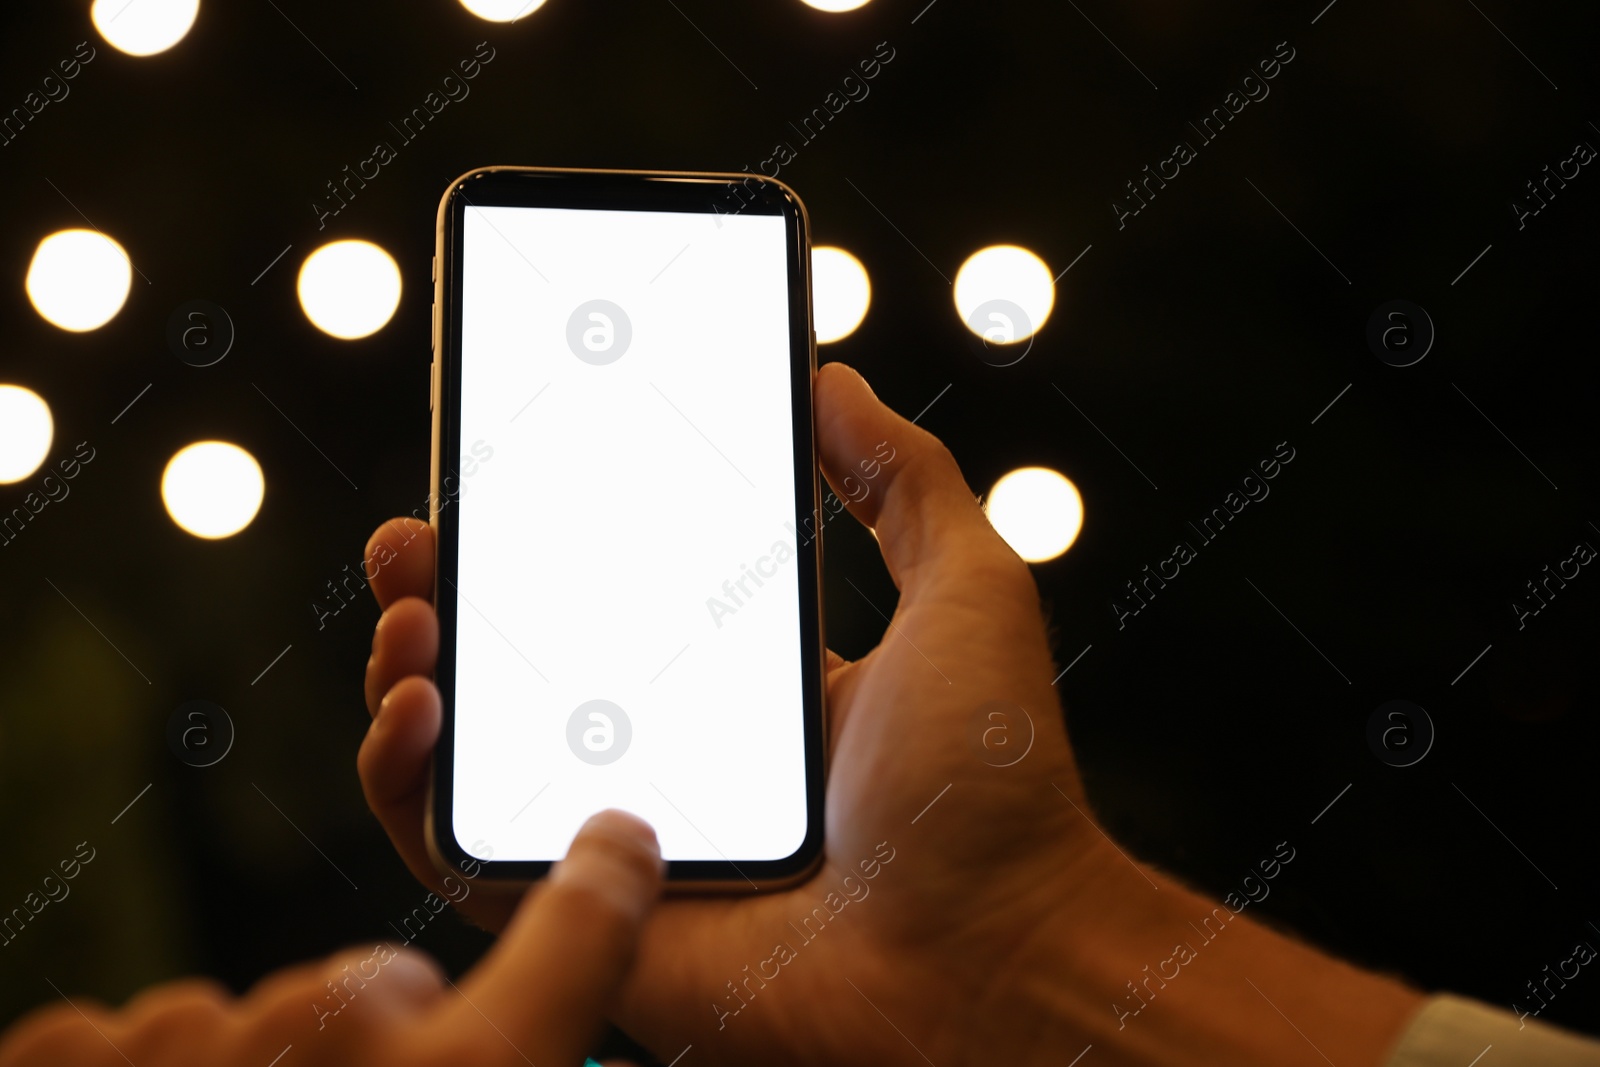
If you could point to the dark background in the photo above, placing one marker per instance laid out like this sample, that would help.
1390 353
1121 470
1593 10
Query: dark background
1196 338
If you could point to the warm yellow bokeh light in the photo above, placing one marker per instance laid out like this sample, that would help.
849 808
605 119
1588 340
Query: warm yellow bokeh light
212 489
1004 293
835 5
143 27
1037 511
501 10
840 293
78 279
26 430
349 288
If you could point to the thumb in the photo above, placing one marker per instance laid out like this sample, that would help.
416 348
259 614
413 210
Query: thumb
901 481
548 982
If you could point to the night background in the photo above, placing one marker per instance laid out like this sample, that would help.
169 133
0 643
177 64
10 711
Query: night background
1229 315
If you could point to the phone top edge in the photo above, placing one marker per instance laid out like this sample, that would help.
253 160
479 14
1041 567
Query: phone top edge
710 177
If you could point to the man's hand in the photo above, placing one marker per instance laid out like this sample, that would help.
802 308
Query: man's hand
538 997
969 910
972 877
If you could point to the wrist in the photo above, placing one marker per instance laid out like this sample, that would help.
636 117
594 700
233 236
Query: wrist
1151 974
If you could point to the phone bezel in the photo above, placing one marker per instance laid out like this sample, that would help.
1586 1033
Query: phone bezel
627 190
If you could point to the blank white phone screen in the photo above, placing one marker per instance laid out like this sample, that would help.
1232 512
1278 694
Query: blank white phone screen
627 596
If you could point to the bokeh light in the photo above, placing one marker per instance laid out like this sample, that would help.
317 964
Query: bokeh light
501 10
1004 292
212 489
840 293
26 430
1037 510
78 279
836 5
349 289
143 27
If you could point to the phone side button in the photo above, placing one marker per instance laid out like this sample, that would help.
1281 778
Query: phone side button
433 385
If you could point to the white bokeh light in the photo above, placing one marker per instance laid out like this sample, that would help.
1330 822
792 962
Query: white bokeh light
78 279
1008 289
836 5
840 293
26 430
212 489
143 27
502 10
1037 511
349 289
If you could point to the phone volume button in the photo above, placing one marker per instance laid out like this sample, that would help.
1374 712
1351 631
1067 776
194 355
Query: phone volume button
433 385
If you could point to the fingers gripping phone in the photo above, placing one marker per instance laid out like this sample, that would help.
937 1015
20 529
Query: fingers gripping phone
624 500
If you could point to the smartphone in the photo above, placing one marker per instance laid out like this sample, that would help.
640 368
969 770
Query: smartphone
625 502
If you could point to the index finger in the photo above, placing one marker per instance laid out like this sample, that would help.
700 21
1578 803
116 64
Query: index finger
399 561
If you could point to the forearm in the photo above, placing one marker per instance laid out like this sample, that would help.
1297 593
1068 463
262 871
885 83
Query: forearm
1152 974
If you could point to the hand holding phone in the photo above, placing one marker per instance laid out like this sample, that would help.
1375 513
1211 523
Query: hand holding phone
938 862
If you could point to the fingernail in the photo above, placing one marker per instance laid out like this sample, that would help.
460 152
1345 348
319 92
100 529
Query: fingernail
862 378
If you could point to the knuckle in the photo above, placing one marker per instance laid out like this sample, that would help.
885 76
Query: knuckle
188 996
52 1035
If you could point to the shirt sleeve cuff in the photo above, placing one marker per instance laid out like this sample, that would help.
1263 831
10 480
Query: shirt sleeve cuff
1453 1031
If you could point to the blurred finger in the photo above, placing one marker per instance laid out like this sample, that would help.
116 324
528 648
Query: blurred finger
405 642
173 1024
399 561
333 1001
393 764
57 1034
385 977
557 968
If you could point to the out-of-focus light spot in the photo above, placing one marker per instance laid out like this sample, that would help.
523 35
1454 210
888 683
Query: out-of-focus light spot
143 27
1004 293
26 430
1038 512
349 288
212 489
840 293
835 5
79 279
502 10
